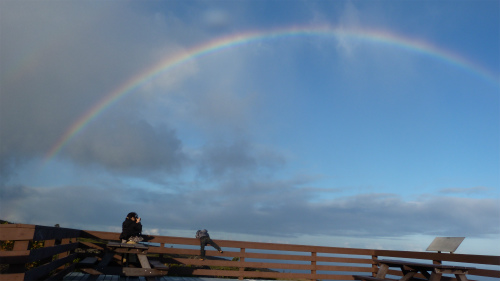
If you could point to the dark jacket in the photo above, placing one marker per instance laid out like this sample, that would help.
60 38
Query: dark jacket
202 233
130 228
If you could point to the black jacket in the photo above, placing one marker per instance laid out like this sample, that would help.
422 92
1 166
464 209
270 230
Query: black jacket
130 228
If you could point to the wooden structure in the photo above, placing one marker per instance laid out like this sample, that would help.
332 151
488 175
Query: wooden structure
123 268
430 272
33 252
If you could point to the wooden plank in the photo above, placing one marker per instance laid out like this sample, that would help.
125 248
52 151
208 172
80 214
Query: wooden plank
382 271
370 278
21 245
14 257
478 259
16 232
49 233
60 275
105 260
129 271
129 251
48 252
126 245
91 271
41 271
12 277
485 273
126 271
158 265
423 266
143 259
101 235
88 261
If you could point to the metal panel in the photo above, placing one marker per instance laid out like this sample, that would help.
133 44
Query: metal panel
445 244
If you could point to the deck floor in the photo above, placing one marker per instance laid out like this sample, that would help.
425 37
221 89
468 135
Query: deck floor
82 276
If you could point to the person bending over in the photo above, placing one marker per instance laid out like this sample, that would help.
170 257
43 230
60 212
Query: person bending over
205 240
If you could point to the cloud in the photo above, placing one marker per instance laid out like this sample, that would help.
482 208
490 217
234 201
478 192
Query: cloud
123 144
465 190
237 159
349 19
216 18
60 60
280 209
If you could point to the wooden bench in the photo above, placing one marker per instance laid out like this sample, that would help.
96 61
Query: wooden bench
158 265
105 268
371 278
87 262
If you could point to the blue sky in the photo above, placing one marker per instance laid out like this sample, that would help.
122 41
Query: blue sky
375 126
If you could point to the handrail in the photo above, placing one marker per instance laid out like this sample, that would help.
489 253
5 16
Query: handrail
27 260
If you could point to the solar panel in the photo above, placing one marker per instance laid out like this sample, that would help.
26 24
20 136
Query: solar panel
445 244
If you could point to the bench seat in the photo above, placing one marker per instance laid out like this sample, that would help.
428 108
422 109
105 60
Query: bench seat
87 262
158 265
371 278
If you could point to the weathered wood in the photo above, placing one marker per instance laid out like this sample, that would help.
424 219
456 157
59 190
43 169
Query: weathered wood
48 252
14 257
158 265
143 260
16 232
424 266
12 277
382 271
50 233
125 271
105 260
464 258
331 261
21 245
44 270
370 278
88 261
485 272
60 275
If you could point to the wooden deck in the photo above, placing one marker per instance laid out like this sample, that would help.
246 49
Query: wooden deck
73 276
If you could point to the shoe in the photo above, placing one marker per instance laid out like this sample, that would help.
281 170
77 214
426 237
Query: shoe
202 259
221 251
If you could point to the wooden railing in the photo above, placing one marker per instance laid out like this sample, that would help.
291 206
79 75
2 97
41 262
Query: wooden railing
41 253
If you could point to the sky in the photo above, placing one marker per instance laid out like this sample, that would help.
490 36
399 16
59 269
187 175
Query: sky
365 124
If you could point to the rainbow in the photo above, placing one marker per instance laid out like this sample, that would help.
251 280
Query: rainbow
223 43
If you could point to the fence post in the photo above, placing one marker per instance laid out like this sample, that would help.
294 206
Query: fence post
374 266
162 245
313 265
242 260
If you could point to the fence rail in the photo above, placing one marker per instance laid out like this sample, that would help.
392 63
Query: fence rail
33 252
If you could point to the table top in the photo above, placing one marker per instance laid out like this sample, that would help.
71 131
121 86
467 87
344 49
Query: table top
417 265
124 245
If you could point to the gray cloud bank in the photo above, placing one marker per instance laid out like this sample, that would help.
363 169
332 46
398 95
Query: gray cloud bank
271 209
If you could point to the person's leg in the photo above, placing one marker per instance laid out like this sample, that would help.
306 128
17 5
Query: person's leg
211 242
203 243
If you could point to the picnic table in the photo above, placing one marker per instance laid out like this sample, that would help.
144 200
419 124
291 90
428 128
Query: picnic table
125 268
431 272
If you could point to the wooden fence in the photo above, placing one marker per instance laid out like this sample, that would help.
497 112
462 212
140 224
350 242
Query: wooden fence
33 252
